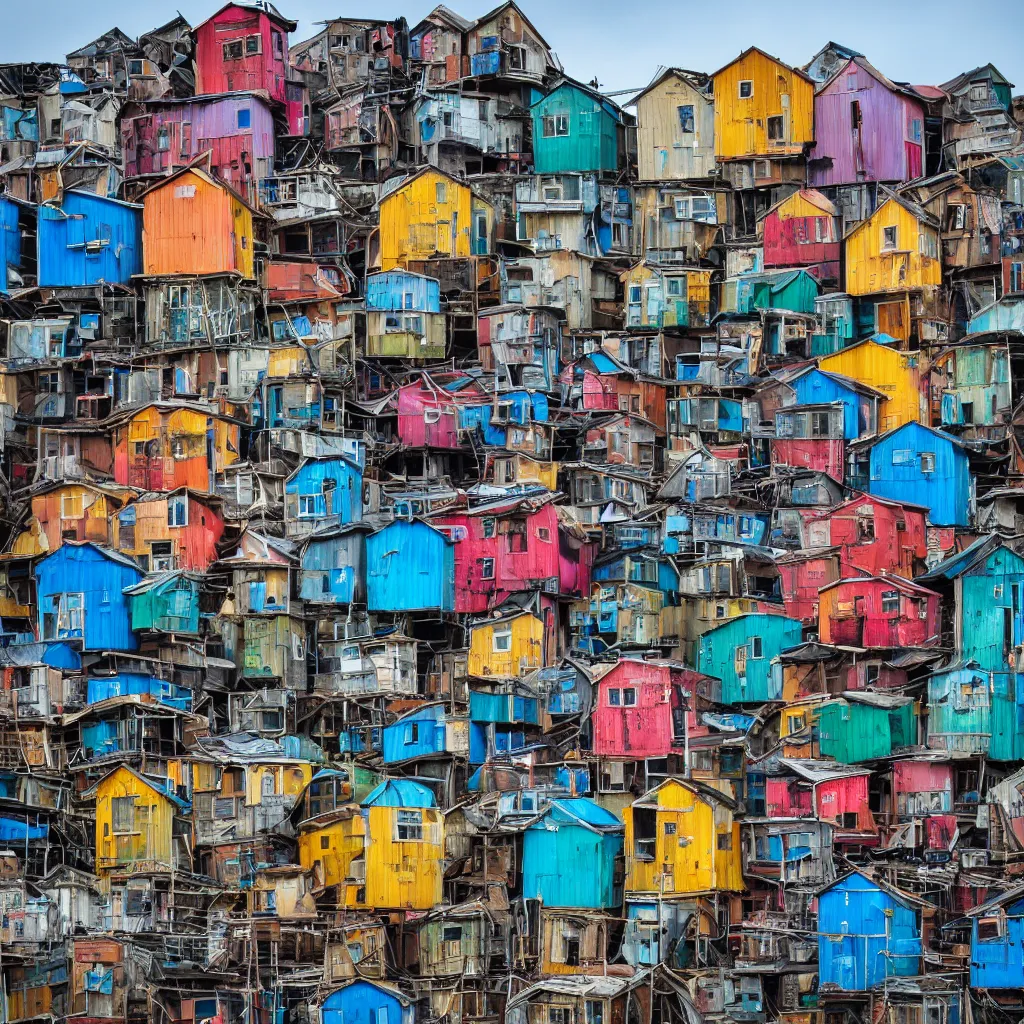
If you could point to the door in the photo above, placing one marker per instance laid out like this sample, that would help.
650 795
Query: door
893 318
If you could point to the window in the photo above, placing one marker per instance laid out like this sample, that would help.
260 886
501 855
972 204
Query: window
412 732
163 140
558 1015
122 809
776 129
49 383
487 568
890 238
441 192
629 696
243 117
978 92
409 826
990 929
1017 277
683 209
756 647
890 601
915 130
234 50
177 511
594 1011
70 506
855 115
675 287
746 89
490 528
307 505
686 123
254 44
278 41
927 462
554 126
503 640
516 57
902 457
543 534
725 841
163 555
614 697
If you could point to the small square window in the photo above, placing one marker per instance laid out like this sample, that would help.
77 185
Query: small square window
890 238
441 192
503 641
927 462
686 119
746 89
487 568
614 697
776 129
243 117
756 647
629 697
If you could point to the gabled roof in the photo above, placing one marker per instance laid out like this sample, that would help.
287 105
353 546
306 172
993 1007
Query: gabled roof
1007 896
400 793
973 555
259 7
211 179
890 579
909 900
113 41
700 789
408 179
145 780
914 209
580 811
159 579
108 553
808 195
491 15
446 16
564 81
697 80
870 442
862 62
965 78
757 49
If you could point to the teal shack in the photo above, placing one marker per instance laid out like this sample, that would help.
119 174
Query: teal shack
576 129
862 726
574 832
743 652
793 291
977 703
165 603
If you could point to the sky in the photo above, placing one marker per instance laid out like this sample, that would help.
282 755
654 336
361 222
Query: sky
621 42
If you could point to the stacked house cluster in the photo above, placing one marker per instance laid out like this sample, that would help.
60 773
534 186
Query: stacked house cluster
474 551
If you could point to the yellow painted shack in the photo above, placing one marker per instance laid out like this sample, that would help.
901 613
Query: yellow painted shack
72 511
682 840
798 731
505 647
763 108
675 128
431 212
509 470
888 370
134 822
383 855
895 250
193 223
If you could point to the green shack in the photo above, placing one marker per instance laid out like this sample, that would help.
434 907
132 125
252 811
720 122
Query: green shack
165 603
866 726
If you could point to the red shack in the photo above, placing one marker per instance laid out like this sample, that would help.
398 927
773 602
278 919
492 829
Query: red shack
514 547
244 48
803 574
878 611
802 230
641 708
872 534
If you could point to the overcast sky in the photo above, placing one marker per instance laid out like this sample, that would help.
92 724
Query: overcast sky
622 42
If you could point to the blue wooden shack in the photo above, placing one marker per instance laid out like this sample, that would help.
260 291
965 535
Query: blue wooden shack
366 1002
80 595
17 219
575 129
322 493
743 653
125 684
499 723
333 566
922 466
411 568
860 403
402 289
997 941
88 240
421 732
867 932
567 832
